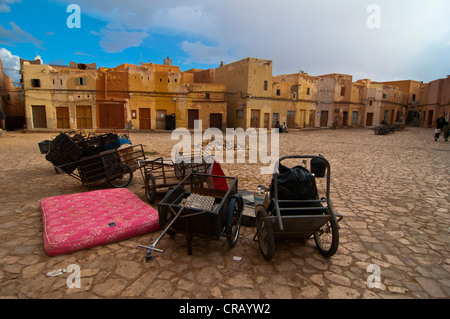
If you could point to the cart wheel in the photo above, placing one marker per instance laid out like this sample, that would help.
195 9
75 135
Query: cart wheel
233 221
265 233
150 188
180 170
327 238
119 175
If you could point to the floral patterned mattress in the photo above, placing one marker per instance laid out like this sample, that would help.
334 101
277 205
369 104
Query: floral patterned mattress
79 221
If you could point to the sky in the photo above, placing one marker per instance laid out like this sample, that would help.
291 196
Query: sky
383 40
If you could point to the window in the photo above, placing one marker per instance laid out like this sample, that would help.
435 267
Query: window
207 96
265 85
370 102
239 114
81 81
307 91
384 95
278 92
36 83
343 91
413 97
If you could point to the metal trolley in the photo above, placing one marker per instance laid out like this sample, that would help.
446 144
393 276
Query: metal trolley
160 174
298 219
202 205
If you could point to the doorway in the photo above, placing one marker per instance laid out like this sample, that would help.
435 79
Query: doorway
161 119
145 119
62 117
323 118
255 118
111 116
39 116
215 120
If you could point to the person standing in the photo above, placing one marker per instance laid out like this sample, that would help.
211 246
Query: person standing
446 131
2 119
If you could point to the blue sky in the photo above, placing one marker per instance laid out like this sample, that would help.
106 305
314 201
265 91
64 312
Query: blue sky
401 39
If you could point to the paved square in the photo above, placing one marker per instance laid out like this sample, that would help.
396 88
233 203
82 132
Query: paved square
392 190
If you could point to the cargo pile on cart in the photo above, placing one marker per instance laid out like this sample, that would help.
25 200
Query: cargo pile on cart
94 157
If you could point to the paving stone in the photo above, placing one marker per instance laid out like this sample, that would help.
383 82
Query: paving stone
371 187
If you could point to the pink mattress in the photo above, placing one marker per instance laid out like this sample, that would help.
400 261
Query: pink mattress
79 221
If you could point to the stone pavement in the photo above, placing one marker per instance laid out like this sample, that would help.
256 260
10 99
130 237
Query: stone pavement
392 190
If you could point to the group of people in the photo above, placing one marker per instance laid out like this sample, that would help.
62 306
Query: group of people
282 128
442 127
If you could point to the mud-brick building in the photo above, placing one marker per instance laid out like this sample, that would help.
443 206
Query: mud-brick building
143 97
11 101
256 98
434 102
334 105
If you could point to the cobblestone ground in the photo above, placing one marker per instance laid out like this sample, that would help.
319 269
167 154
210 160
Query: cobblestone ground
392 190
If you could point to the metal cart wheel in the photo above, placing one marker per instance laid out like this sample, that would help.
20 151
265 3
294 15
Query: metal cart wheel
233 221
264 230
327 238
119 175
180 170
150 188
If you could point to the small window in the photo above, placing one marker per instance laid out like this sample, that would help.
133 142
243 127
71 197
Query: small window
53 81
207 96
60 81
384 95
278 92
36 83
343 91
81 81
413 97
265 85
133 114
370 102
175 80
239 114
307 91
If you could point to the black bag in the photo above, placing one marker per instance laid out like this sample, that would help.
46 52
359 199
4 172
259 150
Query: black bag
295 183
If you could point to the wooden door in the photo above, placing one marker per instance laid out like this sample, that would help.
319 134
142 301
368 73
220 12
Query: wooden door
355 118
312 118
345 118
290 121
192 116
84 116
215 120
255 118
39 116
369 119
266 120
62 117
324 119
145 119
275 119
302 118
161 119
111 116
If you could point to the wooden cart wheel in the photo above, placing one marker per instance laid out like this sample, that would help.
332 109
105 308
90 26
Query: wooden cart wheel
119 175
233 220
327 238
265 233
150 188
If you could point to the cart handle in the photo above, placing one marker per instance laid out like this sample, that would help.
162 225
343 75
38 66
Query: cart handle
275 177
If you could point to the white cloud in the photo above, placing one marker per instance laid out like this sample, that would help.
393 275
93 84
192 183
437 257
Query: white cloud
17 35
5 5
203 54
117 40
11 62
319 36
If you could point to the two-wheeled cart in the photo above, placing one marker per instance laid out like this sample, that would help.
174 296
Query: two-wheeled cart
290 217
160 174
202 205
116 166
